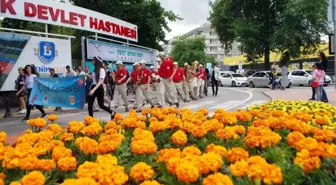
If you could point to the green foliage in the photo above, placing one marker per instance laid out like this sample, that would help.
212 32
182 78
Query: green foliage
264 26
190 50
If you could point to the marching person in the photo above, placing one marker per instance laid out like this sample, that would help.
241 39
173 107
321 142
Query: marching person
167 71
200 81
96 89
29 83
178 80
143 85
54 75
22 92
214 79
189 88
159 87
134 77
121 78
69 72
107 98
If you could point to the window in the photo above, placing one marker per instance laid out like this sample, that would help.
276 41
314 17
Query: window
225 75
257 75
213 48
301 73
210 33
295 73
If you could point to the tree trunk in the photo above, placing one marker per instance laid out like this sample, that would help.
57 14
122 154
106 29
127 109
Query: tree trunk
267 58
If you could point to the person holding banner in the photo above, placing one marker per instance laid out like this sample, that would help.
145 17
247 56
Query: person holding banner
120 77
30 76
96 89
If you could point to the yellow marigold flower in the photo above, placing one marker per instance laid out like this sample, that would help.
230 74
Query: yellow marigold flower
28 163
186 172
15 183
87 145
211 161
113 175
143 147
92 130
217 178
227 133
90 120
75 126
112 125
61 152
38 122
112 137
239 129
237 154
216 149
306 162
107 159
3 137
331 151
273 174
150 182
52 117
45 164
167 153
67 164
307 143
89 170
239 168
65 137
157 126
172 164
34 177
324 135
141 134
191 150
141 171
294 137
55 128
179 138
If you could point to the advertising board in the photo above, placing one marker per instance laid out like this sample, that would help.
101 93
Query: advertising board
64 14
18 50
114 52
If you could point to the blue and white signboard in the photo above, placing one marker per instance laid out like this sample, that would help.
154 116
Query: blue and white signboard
59 92
115 52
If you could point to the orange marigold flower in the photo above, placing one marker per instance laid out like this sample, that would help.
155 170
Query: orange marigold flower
52 117
244 116
28 163
216 149
239 129
92 130
45 164
60 152
38 122
261 122
191 150
80 181
217 178
227 133
112 125
143 147
107 159
141 171
167 153
55 128
106 147
157 126
65 137
75 126
15 183
34 177
141 134
150 182
90 120
87 145
306 162
89 170
239 168
3 137
179 138
294 137
67 164
324 135
186 172
237 154
261 137
322 120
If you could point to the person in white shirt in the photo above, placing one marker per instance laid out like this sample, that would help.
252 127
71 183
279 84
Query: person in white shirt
80 72
29 83
214 79
96 89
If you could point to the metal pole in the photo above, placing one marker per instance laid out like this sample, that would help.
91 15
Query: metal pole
46 29
83 52
96 36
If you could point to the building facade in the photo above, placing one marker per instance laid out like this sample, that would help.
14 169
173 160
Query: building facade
213 45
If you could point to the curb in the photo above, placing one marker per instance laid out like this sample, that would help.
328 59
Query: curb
268 96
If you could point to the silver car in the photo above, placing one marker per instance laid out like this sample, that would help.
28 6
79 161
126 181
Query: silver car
262 79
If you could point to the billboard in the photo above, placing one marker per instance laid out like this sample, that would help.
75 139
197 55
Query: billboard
114 52
67 15
18 50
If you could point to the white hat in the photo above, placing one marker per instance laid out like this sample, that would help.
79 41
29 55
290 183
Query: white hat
136 63
142 61
175 63
152 67
158 59
201 65
196 62
119 62
162 53
185 64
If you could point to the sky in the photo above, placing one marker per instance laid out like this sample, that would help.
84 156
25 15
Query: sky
193 12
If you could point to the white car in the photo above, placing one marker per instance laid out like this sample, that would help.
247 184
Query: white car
226 72
303 77
233 80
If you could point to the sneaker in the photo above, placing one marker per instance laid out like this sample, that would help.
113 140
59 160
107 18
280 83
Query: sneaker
177 104
25 119
23 111
113 115
44 115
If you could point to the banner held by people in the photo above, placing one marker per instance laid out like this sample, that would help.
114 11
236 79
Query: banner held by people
59 92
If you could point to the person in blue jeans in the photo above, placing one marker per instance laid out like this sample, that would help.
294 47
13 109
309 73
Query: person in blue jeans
324 63
273 78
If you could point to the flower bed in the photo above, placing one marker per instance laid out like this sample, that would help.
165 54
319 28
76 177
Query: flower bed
276 143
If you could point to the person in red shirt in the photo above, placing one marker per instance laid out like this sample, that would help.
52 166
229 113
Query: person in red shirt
133 77
200 75
179 79
167 71
158 86
143 83
120 77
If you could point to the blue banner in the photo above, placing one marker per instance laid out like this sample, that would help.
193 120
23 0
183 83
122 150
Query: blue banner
59 92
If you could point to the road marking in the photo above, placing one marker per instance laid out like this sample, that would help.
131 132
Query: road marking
242 102
224 105
200 104
254 103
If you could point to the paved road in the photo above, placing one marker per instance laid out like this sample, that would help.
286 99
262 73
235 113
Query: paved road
228 98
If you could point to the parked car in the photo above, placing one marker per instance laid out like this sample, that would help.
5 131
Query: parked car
262 79
232 80
226 72
249 73
303 77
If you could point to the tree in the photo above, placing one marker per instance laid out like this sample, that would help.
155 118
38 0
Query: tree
189 50
266 25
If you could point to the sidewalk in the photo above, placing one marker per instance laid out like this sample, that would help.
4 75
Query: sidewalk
298 94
